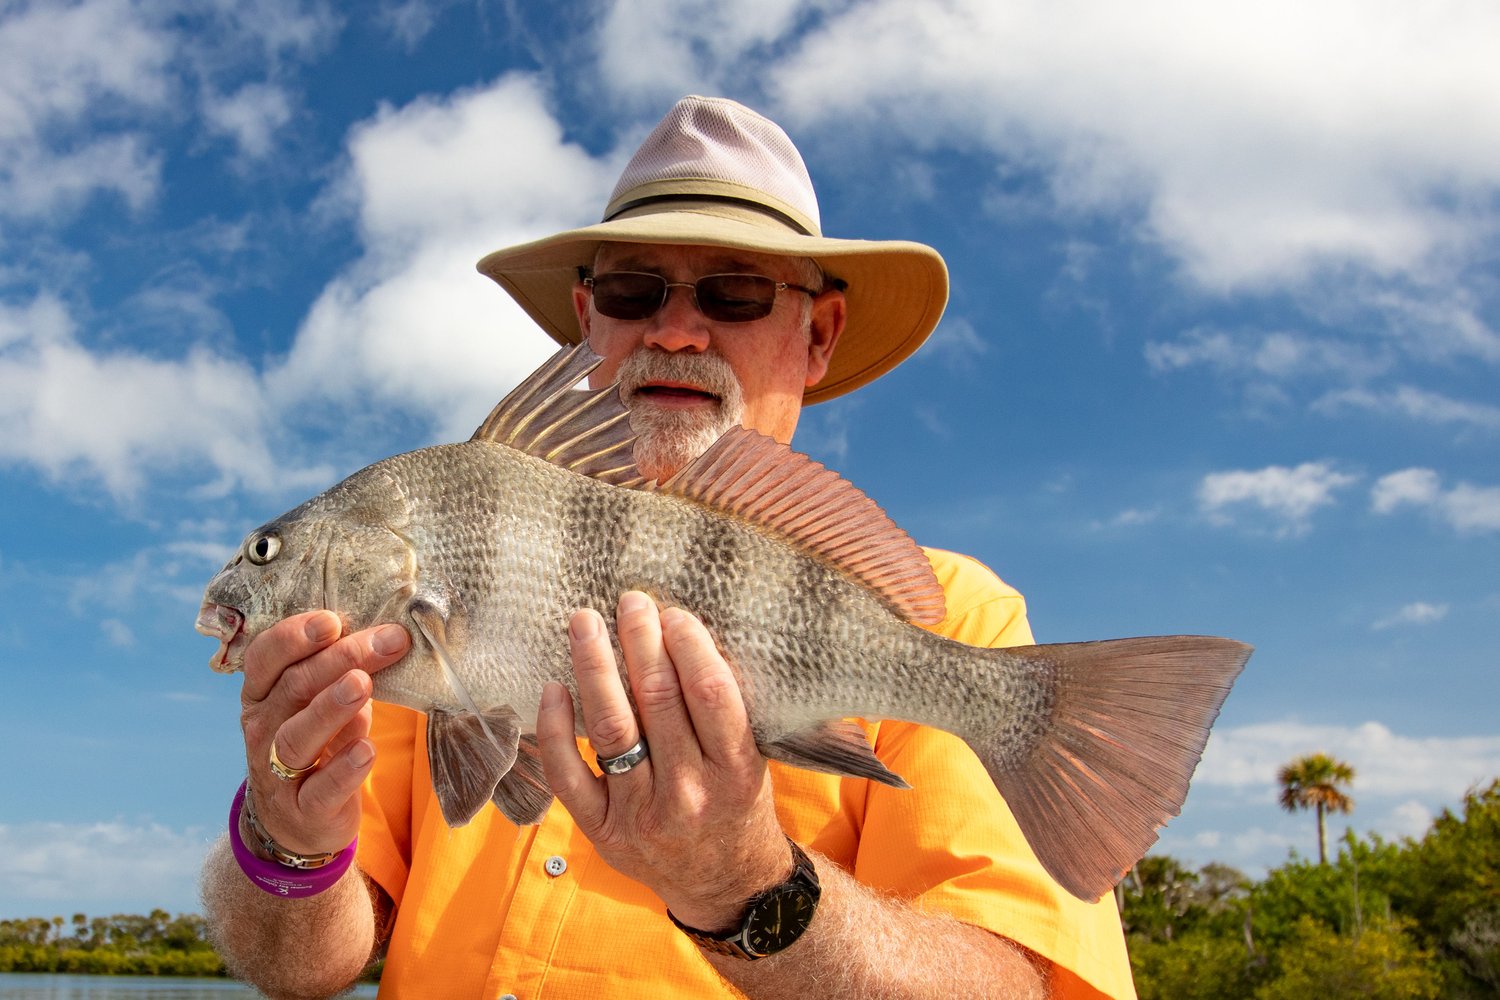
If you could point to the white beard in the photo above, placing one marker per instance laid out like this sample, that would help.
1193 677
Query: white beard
668 440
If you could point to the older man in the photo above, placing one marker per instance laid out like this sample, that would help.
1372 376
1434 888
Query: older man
692 868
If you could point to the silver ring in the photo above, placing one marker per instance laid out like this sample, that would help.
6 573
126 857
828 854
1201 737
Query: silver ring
630 758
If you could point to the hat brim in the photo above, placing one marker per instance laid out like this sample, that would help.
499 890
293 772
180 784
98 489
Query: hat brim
896 289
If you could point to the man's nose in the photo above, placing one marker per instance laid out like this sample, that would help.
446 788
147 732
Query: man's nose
678 325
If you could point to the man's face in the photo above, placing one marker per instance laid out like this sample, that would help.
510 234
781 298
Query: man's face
680 370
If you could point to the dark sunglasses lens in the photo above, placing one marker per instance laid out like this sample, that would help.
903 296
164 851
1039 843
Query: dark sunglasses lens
625 295
736 298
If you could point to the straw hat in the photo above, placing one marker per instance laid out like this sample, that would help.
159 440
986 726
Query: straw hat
715 173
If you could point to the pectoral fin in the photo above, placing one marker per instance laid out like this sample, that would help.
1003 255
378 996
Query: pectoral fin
833 748
469 755
523 795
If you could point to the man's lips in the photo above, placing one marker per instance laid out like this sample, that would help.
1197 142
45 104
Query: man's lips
673 394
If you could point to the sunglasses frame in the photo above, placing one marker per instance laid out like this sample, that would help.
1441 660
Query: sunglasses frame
713 310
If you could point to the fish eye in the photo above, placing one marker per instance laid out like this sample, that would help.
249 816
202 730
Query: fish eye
263 549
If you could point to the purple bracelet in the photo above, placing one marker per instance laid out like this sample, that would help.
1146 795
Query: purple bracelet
279 879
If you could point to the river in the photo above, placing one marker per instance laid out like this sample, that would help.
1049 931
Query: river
44 986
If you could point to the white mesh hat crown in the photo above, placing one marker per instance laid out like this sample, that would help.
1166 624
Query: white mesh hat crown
715 173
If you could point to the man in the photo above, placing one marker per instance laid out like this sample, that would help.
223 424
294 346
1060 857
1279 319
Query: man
687 866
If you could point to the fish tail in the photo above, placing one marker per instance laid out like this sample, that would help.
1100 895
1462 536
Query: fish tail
1094 772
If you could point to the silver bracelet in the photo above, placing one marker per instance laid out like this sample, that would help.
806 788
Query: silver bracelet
277 853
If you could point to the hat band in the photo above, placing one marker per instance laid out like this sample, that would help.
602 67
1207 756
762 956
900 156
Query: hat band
781 217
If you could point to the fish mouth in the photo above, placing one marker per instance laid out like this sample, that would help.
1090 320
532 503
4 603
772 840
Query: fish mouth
219 621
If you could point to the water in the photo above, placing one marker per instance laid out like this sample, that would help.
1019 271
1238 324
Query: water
45 986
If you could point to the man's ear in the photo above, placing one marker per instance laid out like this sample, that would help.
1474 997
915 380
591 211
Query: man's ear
824 329
581 307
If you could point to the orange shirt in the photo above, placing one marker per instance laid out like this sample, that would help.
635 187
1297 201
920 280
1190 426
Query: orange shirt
490 910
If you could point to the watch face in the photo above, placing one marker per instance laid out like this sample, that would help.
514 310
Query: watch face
779 920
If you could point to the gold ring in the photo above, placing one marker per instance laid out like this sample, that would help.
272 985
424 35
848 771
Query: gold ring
286 772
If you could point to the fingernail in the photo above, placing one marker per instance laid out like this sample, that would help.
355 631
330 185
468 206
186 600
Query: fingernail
554 695
321 628
348 690
584 626
632 601
389 640
360 753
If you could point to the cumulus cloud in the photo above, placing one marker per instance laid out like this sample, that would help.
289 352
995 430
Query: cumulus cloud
1288 495
1464 507
1254 143
118 417
653 51
1385 763
250 117
60 66
434 186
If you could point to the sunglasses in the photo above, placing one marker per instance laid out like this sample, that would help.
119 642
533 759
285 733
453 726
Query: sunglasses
723 298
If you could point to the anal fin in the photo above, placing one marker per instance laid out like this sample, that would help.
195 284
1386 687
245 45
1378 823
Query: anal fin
833 748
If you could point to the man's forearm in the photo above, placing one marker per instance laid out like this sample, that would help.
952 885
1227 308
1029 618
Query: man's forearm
288 948
862 945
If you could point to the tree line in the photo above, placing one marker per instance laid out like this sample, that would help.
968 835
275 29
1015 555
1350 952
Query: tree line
1415 919
157 944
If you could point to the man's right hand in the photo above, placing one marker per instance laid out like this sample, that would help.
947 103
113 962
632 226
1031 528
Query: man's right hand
308 689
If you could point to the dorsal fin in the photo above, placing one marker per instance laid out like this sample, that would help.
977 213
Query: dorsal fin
764 482
584 430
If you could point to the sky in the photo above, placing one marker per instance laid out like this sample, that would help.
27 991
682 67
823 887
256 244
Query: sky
1221 352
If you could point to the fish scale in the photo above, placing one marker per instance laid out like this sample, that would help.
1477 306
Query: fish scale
484 549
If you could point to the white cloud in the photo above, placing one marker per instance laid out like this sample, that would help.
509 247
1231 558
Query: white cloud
1289 495
1409 486
1429 769
1255 143
435 185
99 868
117 633
119 417
250 117
60 65
1277 354
1415 613
654 51
1465 507
1419 404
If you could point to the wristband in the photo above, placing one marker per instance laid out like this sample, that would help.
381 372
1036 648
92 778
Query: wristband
278 879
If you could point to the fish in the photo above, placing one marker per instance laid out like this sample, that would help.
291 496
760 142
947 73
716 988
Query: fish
483 549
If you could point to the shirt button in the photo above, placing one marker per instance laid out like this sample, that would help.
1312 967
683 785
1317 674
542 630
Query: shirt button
555 866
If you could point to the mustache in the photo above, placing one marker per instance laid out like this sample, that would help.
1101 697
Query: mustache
707 371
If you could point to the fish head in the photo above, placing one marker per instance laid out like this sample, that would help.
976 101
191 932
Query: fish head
343 551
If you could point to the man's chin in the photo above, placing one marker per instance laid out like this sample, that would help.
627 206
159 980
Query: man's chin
665 443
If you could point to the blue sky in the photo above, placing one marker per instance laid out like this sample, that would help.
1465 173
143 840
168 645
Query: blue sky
1221 354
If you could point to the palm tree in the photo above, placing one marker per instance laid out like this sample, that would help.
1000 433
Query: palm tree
1312 782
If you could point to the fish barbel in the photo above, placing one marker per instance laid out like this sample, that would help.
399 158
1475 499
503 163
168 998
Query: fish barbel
485 548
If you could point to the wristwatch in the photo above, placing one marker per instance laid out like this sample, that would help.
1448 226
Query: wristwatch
773 919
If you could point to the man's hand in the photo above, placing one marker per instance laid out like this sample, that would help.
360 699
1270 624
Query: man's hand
308 689
695 821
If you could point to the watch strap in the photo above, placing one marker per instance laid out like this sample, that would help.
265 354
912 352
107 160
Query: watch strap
734 944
